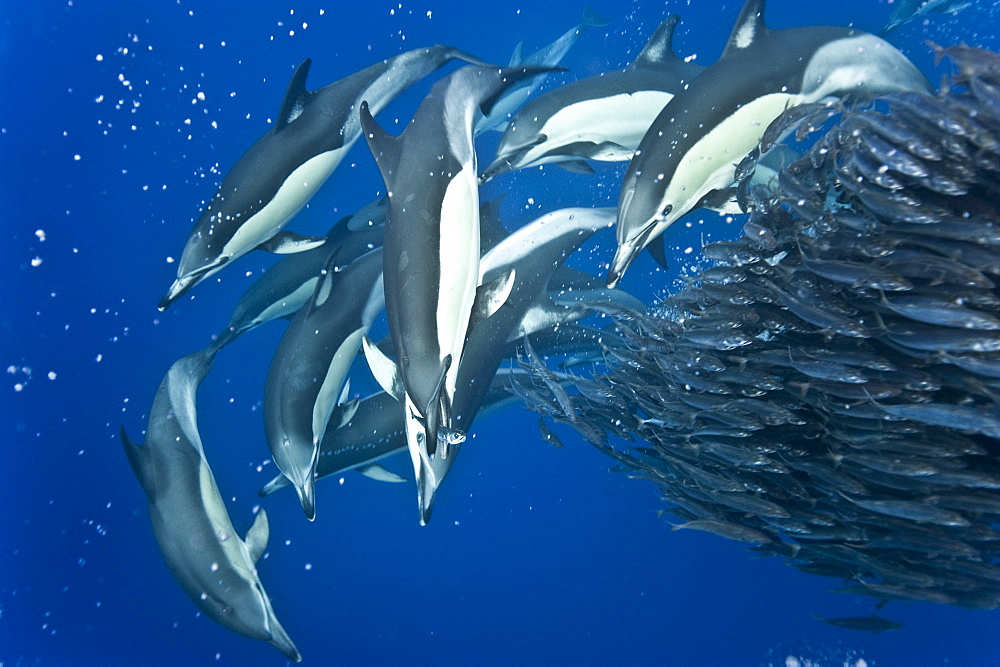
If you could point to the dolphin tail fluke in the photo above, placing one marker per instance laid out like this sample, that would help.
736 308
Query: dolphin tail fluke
592 19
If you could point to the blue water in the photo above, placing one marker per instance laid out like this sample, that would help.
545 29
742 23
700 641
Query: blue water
535 555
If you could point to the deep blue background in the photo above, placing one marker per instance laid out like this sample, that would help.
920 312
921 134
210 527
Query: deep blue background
535 555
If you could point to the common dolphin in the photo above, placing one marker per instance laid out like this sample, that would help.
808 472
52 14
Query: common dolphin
310 366
432 246
601 117
547 56
286 287
212 564
535 253
910 10
282 170
692 147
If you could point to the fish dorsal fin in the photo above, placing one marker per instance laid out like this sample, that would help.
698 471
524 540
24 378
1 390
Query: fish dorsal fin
258 535
516 57
296 96
660 46
384 146
138 458
379 474
384 369
749 28
490 296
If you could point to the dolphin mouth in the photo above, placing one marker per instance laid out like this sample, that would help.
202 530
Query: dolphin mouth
183 283
179 287
627 251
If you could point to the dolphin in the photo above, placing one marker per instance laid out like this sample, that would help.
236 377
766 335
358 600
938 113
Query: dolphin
282 170
286 287
377 429
310 366
212 564
533 254
692 147
910 10
432 246
547 56
601 117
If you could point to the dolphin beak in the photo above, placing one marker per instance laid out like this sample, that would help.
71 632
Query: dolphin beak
501 165
282 642
427 484
307 496
625 254
176 291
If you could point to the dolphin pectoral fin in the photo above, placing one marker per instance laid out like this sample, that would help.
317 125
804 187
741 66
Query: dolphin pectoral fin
658 250
490 296
384 369
296 96
138 458
275 484
575 166
346 411
257 536
722 201
380 474
287 243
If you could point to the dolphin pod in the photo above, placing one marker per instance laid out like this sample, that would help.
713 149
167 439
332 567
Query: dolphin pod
692 147
282 170
461 296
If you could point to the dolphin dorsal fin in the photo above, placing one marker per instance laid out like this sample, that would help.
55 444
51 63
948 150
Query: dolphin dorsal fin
749 27
384 369
296 96
384 146
516 57
257 536
660 46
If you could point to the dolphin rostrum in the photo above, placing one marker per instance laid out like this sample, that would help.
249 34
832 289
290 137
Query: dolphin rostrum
602 117
432 249
307 380
282 170
213 565
693 146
